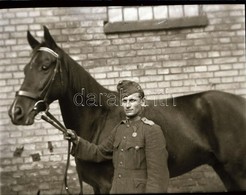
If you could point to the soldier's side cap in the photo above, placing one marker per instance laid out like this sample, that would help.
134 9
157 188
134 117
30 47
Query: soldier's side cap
127 87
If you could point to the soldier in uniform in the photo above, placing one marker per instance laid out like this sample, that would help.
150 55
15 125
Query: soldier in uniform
136 145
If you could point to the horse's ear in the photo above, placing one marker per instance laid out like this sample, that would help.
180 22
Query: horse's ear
31 40
48 38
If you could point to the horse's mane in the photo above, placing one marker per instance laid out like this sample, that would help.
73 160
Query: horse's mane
79 78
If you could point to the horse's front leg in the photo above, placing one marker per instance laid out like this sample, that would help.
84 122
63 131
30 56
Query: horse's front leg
96 190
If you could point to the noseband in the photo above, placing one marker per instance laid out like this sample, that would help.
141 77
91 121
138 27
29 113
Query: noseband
42 97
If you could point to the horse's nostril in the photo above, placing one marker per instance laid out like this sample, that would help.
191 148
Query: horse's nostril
17 110
18 114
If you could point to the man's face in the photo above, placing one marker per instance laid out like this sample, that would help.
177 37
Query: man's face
132 105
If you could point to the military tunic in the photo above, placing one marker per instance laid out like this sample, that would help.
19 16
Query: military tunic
139 155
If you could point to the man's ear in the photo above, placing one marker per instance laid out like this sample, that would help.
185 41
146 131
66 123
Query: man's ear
143 102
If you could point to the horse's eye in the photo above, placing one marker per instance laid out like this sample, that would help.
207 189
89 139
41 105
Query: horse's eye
45 67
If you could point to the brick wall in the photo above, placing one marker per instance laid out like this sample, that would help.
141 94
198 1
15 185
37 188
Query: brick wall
170 62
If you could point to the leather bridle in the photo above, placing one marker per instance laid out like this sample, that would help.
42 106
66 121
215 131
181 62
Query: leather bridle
43 95
42 105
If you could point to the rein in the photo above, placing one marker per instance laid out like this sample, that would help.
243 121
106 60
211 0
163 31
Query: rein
42 106
48 117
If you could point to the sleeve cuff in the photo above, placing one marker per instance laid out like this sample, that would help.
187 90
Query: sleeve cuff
75 147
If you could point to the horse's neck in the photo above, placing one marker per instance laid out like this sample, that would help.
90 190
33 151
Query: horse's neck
84 119
80 119
80 81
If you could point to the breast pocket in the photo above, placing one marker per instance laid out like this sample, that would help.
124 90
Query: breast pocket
135 155
140 185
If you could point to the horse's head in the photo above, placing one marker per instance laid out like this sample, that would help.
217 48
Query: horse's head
42 83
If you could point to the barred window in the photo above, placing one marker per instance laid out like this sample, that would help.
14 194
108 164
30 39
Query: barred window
128 15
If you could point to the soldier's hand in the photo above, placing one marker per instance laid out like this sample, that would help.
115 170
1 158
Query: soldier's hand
71 136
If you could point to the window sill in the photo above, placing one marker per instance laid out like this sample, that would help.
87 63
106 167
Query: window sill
164 24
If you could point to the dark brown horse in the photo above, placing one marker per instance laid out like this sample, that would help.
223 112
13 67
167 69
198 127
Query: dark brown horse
203 128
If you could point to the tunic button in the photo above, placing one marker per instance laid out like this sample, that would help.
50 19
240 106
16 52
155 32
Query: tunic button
128 125
121 163
124 137
121 149
119 175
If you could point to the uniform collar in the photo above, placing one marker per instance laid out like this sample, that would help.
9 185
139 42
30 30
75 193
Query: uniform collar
135 120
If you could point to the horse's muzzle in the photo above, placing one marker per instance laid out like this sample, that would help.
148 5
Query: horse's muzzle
20 116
